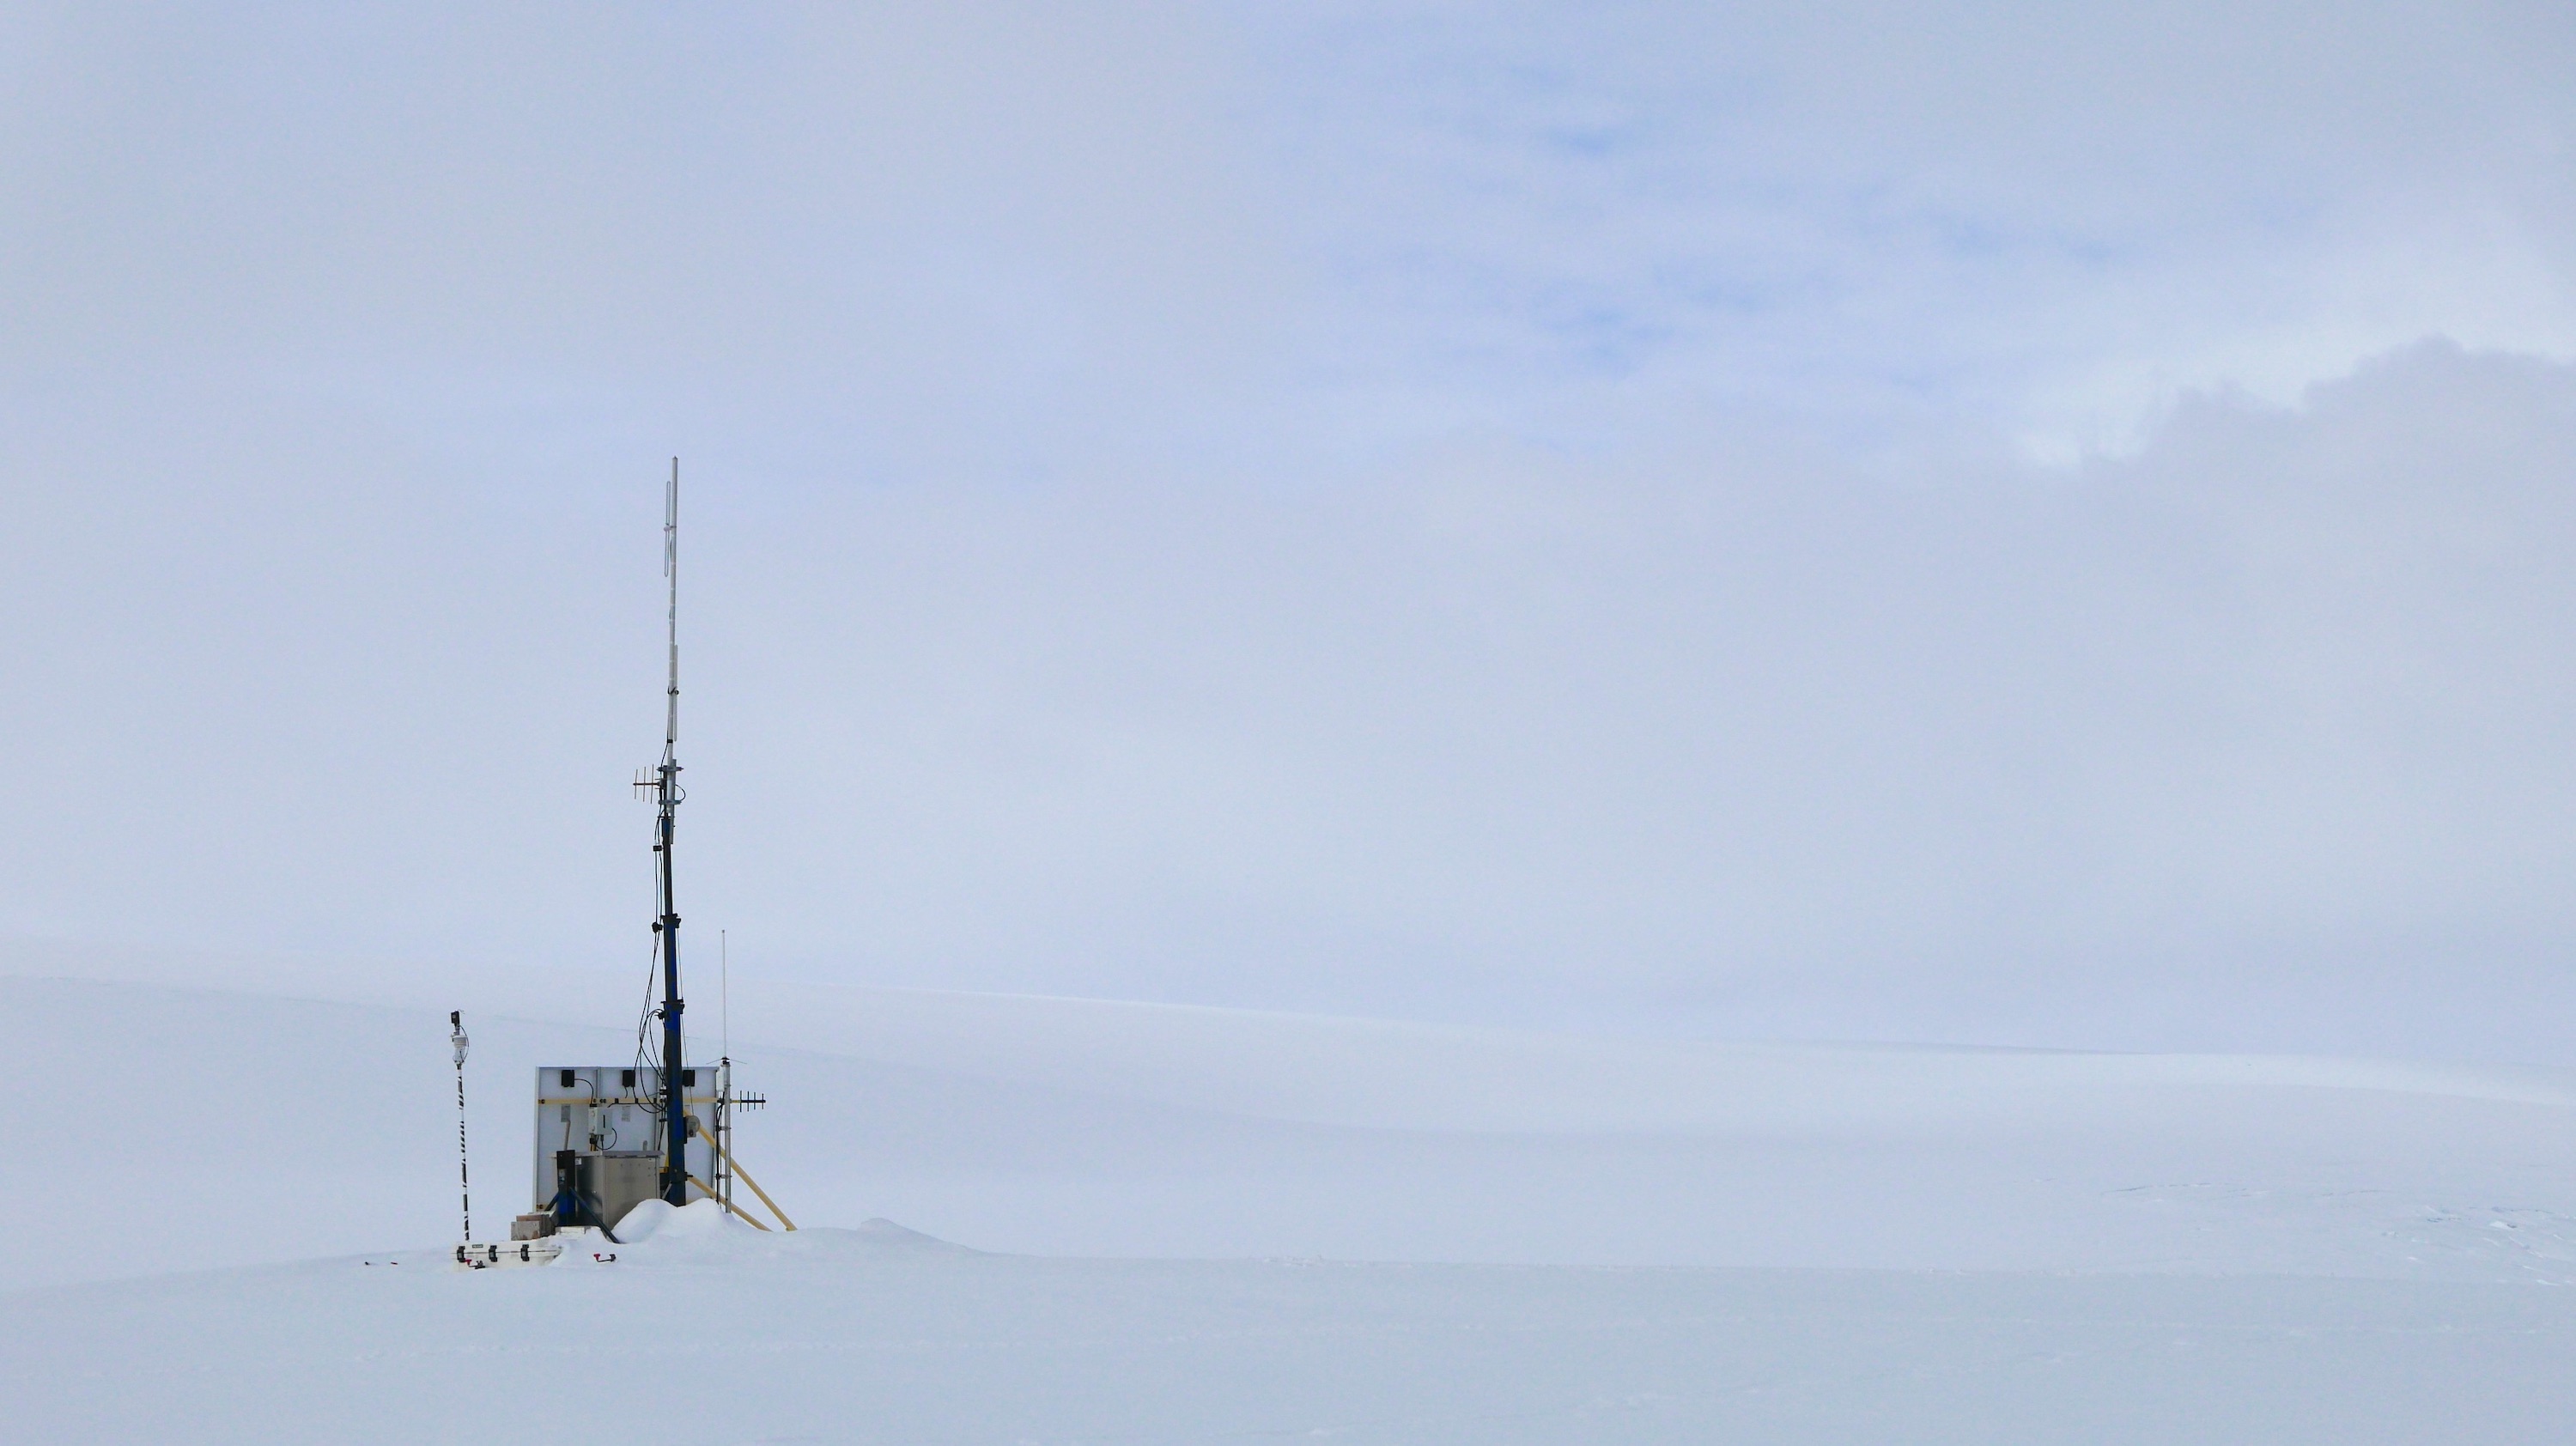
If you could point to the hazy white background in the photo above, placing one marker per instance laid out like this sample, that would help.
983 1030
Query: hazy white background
2019 524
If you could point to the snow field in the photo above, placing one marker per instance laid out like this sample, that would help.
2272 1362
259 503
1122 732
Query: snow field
1176 1213
876 1337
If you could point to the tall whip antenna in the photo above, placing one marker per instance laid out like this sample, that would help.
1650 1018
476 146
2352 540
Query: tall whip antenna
724 1068
464 1182
671 570
666 788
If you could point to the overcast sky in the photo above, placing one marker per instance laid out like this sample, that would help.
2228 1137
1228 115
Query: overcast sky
2026 524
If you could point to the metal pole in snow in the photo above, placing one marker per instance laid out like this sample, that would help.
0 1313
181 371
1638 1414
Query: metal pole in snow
464 1184
724 1070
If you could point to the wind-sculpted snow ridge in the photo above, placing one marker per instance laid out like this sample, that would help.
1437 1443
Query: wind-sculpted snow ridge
1365 1073
701 1233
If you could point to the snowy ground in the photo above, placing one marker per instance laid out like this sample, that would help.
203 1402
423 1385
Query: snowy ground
839 1336
1643 1241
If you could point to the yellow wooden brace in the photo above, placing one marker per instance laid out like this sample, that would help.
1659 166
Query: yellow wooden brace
709 1191
739 1172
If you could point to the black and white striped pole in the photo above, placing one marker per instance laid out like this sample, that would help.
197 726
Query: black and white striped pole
464 1184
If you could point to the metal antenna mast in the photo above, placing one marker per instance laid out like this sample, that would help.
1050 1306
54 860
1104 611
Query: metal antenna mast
464 1181
666 784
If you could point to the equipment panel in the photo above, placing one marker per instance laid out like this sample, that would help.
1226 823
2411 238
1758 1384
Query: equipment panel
610 1118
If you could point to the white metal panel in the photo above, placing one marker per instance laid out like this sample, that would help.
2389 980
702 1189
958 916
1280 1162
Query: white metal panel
613 1109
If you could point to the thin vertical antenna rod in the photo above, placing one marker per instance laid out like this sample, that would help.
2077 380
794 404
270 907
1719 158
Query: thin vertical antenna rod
464 1182
675 1128
671 570
724 1066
